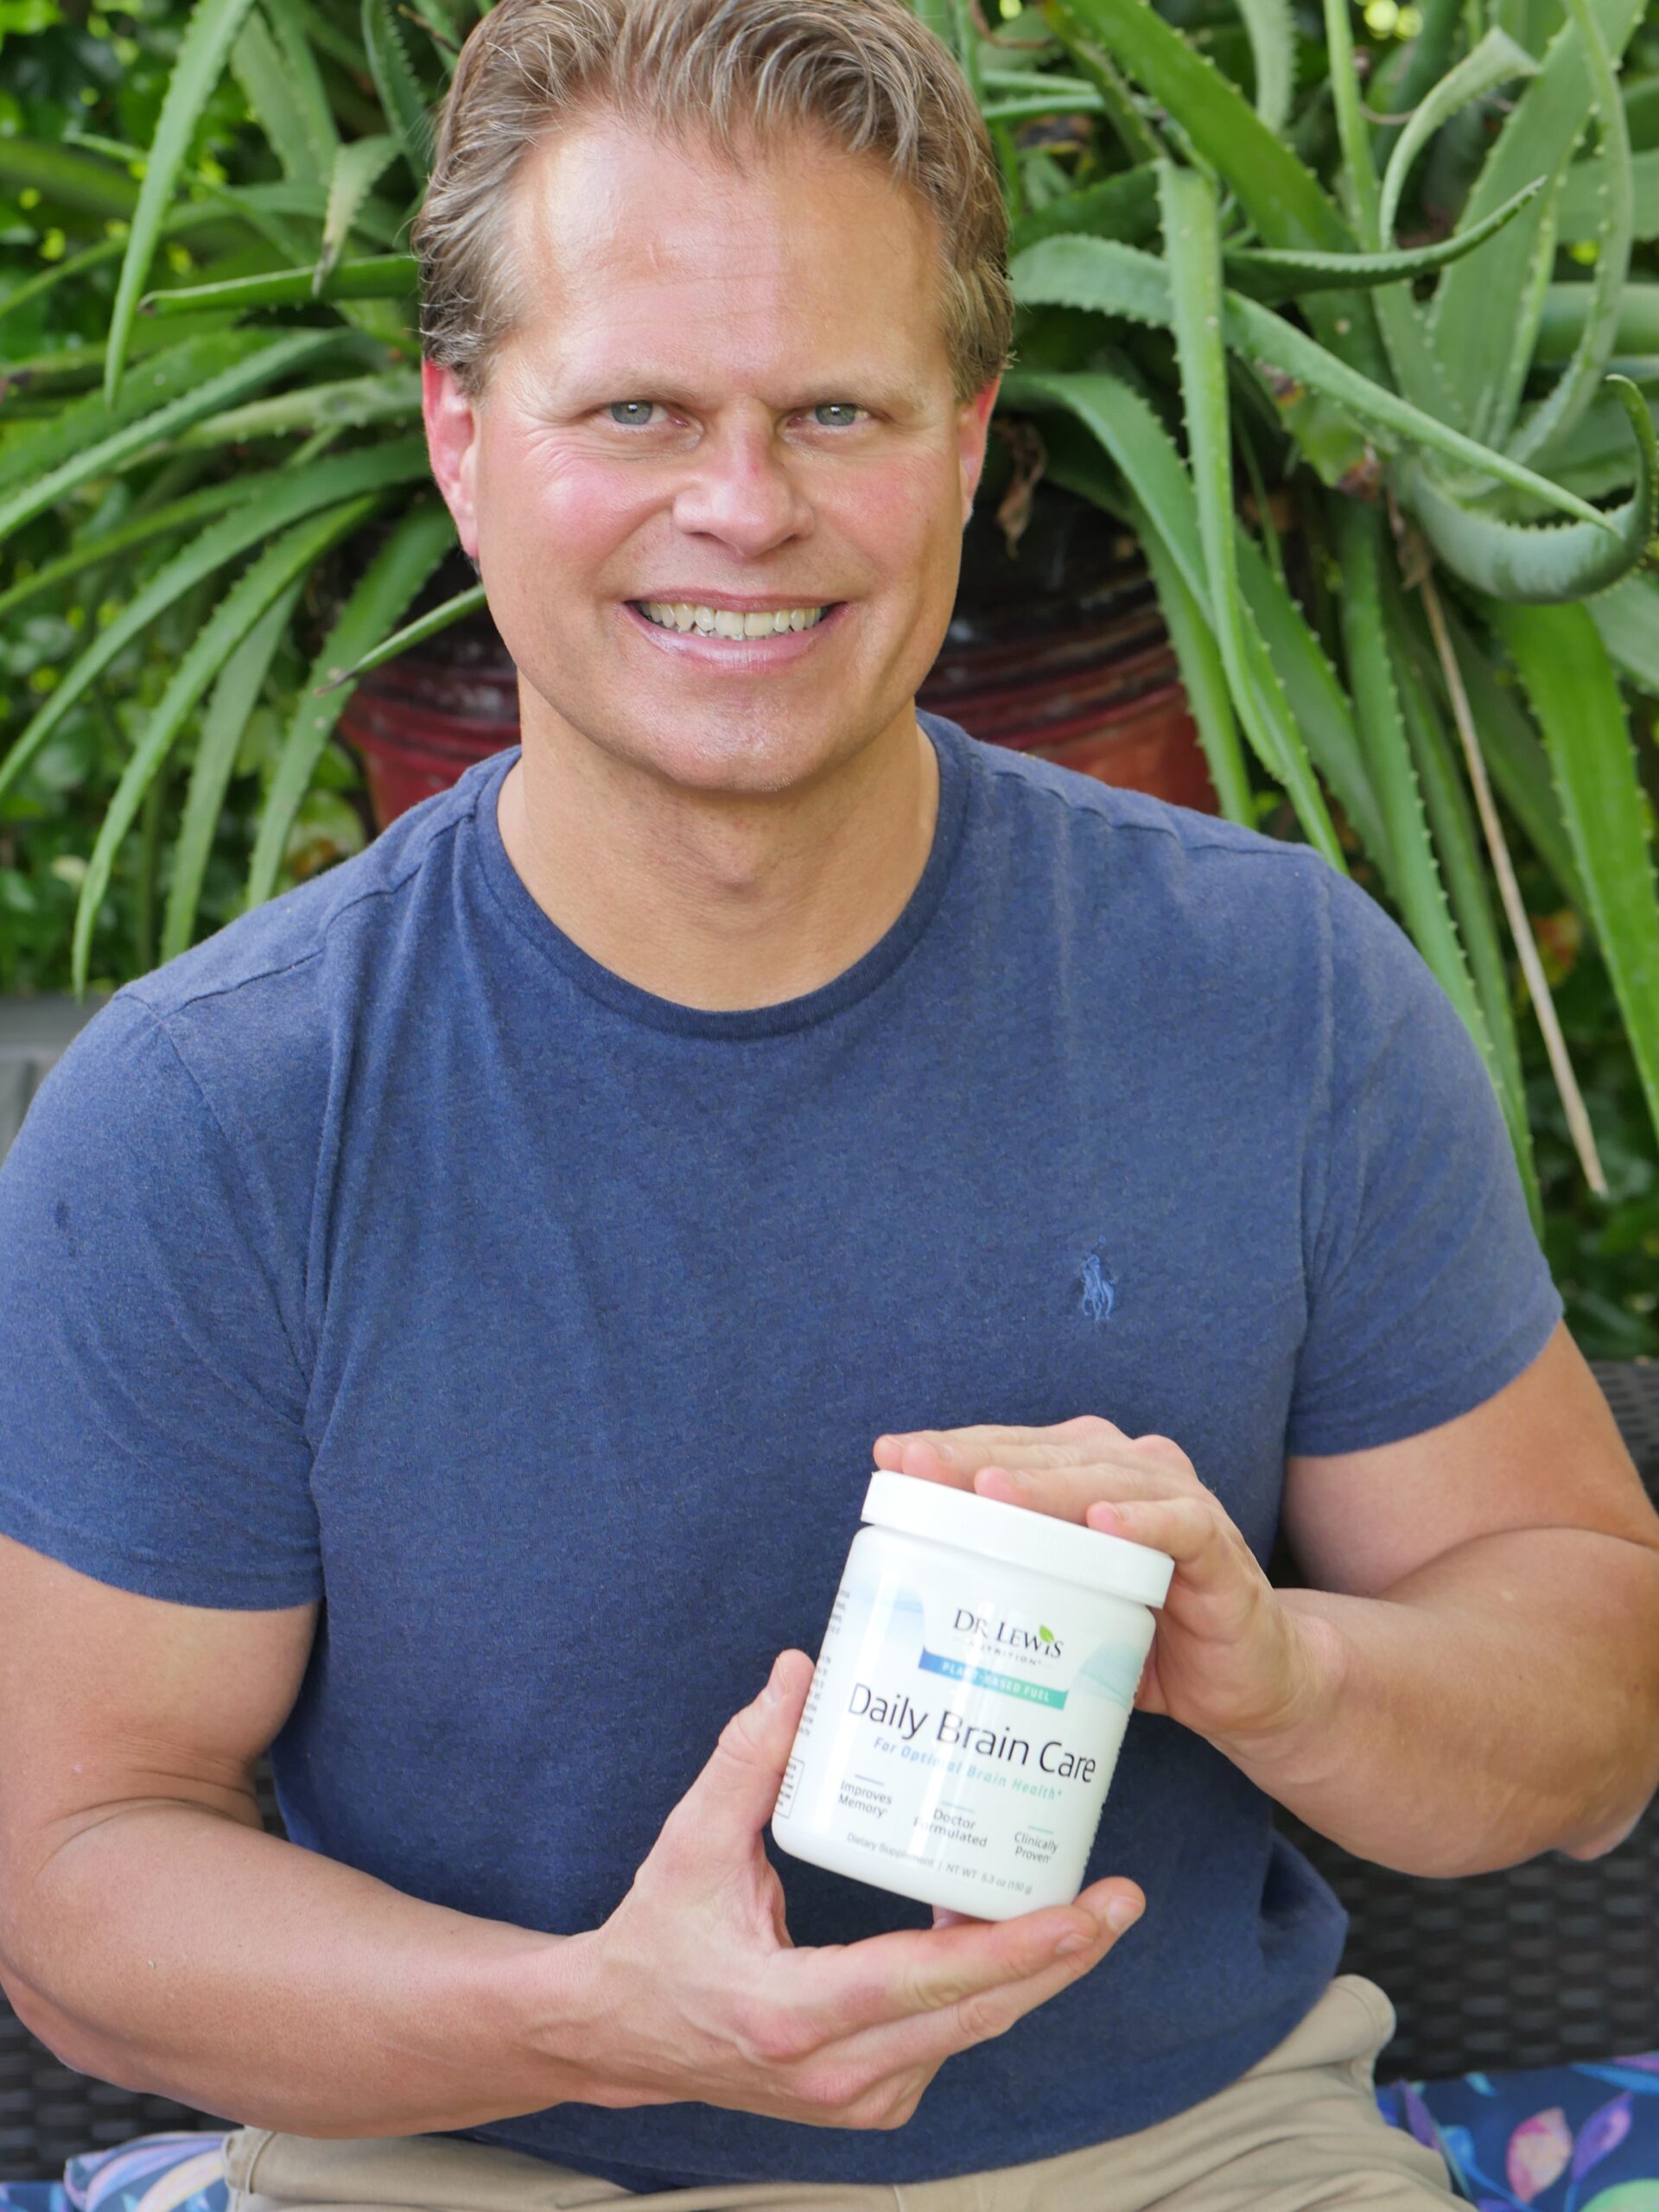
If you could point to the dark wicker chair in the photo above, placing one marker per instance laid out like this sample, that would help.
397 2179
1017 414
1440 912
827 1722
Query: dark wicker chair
1554 1960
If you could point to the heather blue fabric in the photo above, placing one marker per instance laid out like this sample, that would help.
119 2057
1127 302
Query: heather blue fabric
388 1250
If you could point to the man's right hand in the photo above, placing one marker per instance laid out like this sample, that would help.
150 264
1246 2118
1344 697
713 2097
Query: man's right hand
695 1990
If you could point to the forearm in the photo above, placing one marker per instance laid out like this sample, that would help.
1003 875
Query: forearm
172 1950
1501 1702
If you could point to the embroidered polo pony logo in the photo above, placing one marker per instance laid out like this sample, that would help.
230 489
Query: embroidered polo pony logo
1099 1285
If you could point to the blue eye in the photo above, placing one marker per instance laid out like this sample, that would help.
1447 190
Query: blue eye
630 413
647 404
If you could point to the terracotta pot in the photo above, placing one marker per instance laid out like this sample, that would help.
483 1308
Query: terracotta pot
1055 649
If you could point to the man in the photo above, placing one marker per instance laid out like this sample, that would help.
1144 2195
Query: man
449 1314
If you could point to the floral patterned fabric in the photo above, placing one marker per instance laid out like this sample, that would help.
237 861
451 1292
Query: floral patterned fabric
1559 2139
1583 2138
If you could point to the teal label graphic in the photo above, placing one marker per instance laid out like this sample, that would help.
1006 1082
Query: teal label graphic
958 1670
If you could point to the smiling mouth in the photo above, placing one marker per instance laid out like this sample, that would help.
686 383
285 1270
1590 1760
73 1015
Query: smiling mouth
820 616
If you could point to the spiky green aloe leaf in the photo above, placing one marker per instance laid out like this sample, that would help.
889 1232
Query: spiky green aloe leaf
83 422
292 555
1192 247
1538 434
267 83
270 502
1421 895
398 87
392 396
398 572
379 276
1565 311
1477 348
1628 619
1204 674
280 355
72 180
358 167
1272 34
1123 281
1496 60
1124 207
1463 863
1567 677
234 697
201 55
1263 274
90 553
310 93
1542 565
1578 201
1277 641
413 633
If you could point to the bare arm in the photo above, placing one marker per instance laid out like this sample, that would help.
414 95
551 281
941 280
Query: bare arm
1488 1614
152 1933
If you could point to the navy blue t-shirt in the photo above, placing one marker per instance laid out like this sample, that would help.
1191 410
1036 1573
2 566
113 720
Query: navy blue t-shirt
388 1250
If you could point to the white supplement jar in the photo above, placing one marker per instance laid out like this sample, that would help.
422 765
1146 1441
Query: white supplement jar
976 1677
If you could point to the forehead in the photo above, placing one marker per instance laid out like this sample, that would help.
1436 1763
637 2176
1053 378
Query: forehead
627 247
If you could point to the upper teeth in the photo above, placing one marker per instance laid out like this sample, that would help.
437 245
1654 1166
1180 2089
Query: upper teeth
726 622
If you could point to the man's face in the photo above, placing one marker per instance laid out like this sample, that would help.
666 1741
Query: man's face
720 388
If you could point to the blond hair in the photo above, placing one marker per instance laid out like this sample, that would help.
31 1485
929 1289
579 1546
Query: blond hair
867 76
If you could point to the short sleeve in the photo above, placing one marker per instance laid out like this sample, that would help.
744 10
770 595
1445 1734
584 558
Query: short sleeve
1428 1290
152 1401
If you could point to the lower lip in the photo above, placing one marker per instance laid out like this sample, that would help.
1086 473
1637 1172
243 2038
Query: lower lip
751 656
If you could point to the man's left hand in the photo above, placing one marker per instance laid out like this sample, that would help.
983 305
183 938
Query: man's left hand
1230 1659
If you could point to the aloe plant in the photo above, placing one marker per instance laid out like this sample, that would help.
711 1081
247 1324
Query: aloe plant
1430 336
1457 393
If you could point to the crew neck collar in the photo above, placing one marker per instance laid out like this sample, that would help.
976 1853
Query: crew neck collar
951 748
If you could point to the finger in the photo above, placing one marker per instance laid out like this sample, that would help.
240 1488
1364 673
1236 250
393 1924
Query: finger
1211 1559
883 1979
1068 1493
734 1796
969 2014
973 1447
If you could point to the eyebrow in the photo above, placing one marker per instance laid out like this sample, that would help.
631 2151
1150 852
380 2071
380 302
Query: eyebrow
634 382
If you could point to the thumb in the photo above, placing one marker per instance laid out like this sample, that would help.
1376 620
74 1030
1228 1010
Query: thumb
732 1799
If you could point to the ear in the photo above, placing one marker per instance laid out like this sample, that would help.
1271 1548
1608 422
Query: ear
452 445
973 431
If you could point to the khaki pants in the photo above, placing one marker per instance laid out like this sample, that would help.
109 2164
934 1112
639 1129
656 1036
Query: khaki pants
1298 2130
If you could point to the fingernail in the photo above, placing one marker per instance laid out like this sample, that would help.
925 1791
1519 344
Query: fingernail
775 1681
1068 1945
946 1452
1121 1913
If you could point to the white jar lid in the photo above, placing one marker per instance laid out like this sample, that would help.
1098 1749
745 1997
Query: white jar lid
1019 1536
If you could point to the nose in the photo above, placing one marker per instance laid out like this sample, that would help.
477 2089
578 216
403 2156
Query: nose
743 486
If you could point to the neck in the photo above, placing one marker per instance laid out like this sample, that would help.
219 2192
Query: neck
713 900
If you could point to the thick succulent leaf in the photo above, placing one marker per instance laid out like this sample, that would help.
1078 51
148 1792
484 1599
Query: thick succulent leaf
235 696
1464 865
379 276
69 179
398 87
1123 281
1418 887
257 65
1281 195
1574 694
1192 245
140 529
1477 348
1579 200
1277 641
358 167
413 633
1263 274
201 53
1123 207
1539 433
1628 619
1516 759
393 397
310 92
270 502
83 422
275 360
1542 565
1204 675
1567 309
294 554
1272 32
398 572
1493 62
